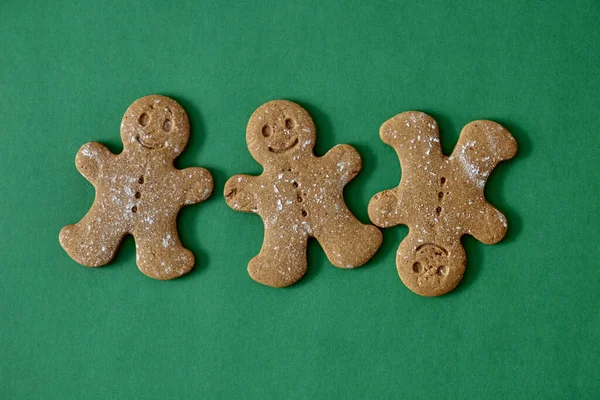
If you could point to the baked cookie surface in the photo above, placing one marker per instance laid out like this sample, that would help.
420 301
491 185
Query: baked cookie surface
440 198
298 196
139 192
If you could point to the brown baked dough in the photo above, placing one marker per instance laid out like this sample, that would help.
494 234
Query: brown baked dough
440 198
298 196
139 192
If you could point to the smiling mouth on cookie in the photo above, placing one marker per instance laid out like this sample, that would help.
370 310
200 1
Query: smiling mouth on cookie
149 145
274 149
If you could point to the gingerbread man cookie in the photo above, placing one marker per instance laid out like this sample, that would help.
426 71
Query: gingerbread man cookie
440 198
298 196
139 192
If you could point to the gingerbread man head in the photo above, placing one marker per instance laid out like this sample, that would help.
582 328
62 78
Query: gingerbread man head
280 130
440 198
157 124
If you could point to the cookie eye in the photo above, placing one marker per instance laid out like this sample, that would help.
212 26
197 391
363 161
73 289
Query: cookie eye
289 123
417 267
266 131
167 125
144 119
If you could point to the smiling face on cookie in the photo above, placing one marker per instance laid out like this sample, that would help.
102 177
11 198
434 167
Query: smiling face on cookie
155 123
280 128
280 137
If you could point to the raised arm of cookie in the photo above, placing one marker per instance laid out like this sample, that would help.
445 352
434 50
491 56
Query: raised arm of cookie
413 134
90 160
481 146
344 160
196 184
242 192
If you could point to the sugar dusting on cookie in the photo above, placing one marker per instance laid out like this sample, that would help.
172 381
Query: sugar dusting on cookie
139 192
440 198
298 196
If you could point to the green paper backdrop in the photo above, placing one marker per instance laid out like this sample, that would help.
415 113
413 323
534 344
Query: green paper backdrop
524 323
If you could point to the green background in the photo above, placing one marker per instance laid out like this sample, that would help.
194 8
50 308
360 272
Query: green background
524 323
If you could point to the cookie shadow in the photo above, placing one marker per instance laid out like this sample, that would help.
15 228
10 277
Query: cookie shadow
316 261
125 255
392 237
475 262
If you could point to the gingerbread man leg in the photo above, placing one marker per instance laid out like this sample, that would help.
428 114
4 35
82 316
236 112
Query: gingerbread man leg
160 254
347 242
282 258
89 242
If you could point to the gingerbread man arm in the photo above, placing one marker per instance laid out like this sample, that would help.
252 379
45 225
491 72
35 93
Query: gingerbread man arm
241 192
90 160
481 146
415 137
490 225
344 160
412 134
195 183
387 208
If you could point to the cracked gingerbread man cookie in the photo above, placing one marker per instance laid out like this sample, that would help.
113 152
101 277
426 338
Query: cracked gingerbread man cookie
139 192
298 196
440 198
